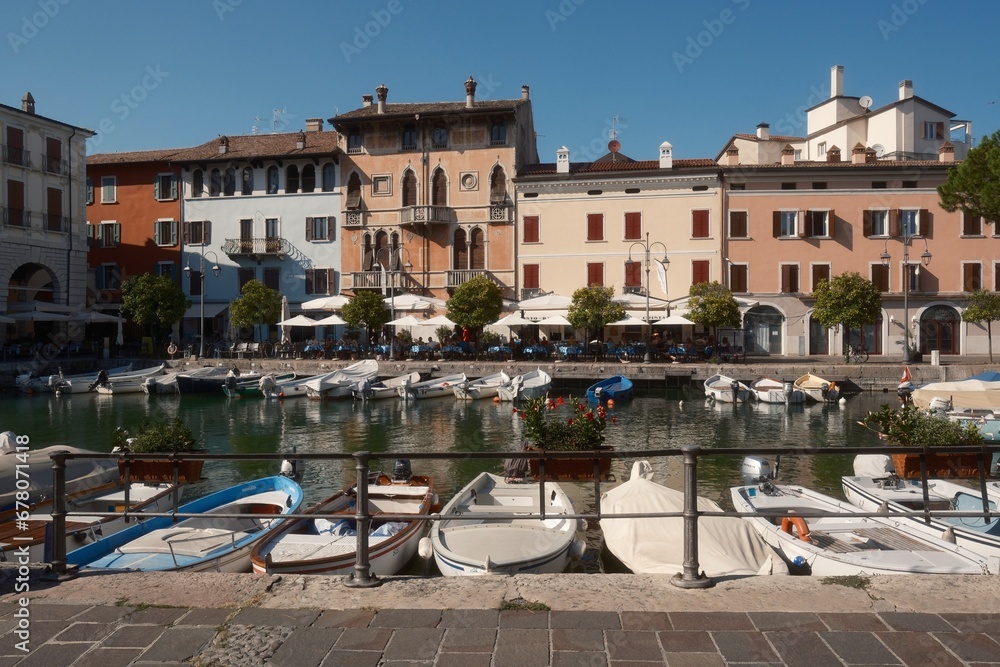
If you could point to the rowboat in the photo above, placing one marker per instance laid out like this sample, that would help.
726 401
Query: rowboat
816 389
341 384
129 383
201 382
328 545
724 389
82 475
472 537
273 387
167 382
844 543
767 390
234 387
208 542
433 388
615 388
532 384
66 384
389 388
484 387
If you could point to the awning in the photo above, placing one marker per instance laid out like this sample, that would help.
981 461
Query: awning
211 309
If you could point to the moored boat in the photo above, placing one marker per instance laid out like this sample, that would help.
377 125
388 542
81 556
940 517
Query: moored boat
724 389
817 389
69 384
433 388
341 383
484 387
980 392
167 382
388 388
255 386
200 382
129 383
768 390
615 388
532 384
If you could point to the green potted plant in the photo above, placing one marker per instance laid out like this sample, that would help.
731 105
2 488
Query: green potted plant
166 437
550 426
910 426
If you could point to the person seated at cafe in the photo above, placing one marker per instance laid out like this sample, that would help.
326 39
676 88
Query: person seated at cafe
724 349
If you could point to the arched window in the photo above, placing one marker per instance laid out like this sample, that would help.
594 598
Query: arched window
439 188
329 177
215 185
460 251
368 254
272 180
248 180
292 179
308 178
354 192
498 133
940 329
229 188
409 188
477 250
197 183
382 253
498 185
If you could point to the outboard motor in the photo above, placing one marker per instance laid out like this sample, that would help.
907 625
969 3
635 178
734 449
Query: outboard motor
826 391
735 386
401 471
101 381
756 470
786 390
292 468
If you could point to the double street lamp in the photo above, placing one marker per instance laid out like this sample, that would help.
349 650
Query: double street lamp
216 269
394 258
647 247
925 258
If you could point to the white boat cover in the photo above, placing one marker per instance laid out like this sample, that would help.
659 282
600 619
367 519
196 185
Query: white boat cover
873 465
979 392
727 546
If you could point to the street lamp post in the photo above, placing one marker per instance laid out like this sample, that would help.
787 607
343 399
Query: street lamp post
391 270
925 258
647 247
216 270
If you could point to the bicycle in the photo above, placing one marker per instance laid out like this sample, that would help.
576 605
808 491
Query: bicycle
856 355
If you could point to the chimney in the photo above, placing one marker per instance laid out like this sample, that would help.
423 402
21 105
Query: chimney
525 92
870 156
666 155
905 89
764 131
470 92
562 160
300 140
837 81
223 145
858 154
366 100
947 152
833 154
732 155
788 154
314 124
28 104
382 93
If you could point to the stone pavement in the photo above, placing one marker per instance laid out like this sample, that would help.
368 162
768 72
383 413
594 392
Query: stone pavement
569 619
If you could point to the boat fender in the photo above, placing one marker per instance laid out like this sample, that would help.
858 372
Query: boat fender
948 535
435 503
425 548
578 548
801 527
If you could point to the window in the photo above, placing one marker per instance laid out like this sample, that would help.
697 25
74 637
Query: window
477 249
498 185
291 179
167 269
439 188
788 186
911 274
972 276
909 184
16 215
197 183
633 226
109 190
109 276
595 274
319 229
247 188
14 152
738 225
876 223
409 188
789 278
354 143
165 232
531 229
381 185
880 277
699 224
273 176
109 234
53 155
996 276
354 192
195 279
700 271
819 185
797 155
319 281
409 138
821 149
165 187
329 177
460 250
818 223
933 130
197 232
498 133
439 138
53 216
272 239
531 276
633 274
246 235
972 225
738 278
215 183
879 185
785 224
243 276
308 178
272 277
821 273
909 222
595 228
229 187
90 191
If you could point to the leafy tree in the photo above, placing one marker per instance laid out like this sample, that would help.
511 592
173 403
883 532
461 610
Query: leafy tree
984 306
973 185
713 305
259 304
593 308
849 300
476 303
156 302
366 309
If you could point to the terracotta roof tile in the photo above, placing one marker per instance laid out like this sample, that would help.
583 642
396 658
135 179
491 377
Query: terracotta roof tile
441 108
132 156
250 146
773 137
844 164
607 166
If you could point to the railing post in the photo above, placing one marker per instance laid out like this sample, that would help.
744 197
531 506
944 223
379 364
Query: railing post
59 513
362 576
690 578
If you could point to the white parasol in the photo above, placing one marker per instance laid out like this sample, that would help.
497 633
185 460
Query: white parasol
298 321
554 321
286 314
547 302
440 321
673 320
334 302
331 320
627 321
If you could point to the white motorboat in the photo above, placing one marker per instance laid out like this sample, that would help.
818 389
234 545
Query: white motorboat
83 476
484 387
66 384
342 382
255 386
166 383
433 388
389 388
329 546
727 546
271 386
844 543
472 537
817 389
767 390
129 383
533 384
981 392
211 381
724 389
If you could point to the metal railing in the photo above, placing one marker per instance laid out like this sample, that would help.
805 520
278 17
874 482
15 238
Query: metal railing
690 577
256 246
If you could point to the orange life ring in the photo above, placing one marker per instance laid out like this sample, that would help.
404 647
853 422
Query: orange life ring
171 349
801 527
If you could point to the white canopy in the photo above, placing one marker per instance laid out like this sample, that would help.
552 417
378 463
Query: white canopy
412 302
637 301
439 321
298 321
39 316
673 320
554 321
286 314
546 302
512 320
92 316
406 321
40 306
335 302
331 320
628 321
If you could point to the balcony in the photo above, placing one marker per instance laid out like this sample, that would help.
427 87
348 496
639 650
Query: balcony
633 289
456 278
54 164
258 247
530 293
353 218
56 223
426 215
377 280
500 213
17 156
16 217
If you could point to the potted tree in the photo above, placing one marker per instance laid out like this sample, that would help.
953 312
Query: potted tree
910 426
549 426
166 437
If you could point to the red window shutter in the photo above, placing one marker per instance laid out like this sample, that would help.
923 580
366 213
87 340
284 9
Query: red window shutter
595 226
331 228
309 231
776 224
633 226
867 223
894 218
924 223
595 274
309 281
699 224
699 271
738 278
207 226
531 276
738 224
531 229
633 274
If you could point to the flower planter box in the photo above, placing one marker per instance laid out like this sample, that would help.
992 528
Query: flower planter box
569 469
162 470
938 465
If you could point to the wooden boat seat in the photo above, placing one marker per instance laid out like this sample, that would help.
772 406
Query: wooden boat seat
870 539
182 541
300 546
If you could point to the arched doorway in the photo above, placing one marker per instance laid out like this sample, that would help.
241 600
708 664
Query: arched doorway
763 326
31 282
939 330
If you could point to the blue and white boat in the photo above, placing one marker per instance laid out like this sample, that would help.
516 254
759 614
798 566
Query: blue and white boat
616 388
214 541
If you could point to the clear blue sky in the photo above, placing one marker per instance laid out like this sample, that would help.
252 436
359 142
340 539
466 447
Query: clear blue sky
177 73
